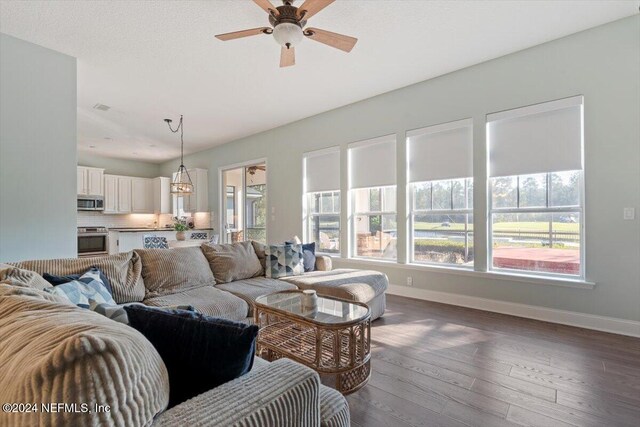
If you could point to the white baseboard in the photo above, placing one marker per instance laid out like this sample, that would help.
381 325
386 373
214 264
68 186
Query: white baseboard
564 317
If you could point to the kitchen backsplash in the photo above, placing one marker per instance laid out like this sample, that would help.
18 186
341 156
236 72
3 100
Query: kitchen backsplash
97 219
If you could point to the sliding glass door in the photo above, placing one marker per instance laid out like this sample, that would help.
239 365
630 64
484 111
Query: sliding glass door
245 203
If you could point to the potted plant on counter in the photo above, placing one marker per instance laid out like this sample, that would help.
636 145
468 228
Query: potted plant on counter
180 226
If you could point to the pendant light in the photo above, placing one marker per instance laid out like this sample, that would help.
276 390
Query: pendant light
181 183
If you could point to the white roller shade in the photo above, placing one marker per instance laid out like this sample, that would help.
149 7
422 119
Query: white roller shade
322 170
441 152
536 139
372 163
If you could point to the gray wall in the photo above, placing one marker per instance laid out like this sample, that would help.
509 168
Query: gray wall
37 152
602 63
119 166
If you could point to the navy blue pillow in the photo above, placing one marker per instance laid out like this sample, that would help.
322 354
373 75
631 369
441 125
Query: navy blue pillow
61 280
200 352
308 255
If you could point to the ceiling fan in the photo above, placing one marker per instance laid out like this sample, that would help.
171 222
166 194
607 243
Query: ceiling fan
253 169
288 23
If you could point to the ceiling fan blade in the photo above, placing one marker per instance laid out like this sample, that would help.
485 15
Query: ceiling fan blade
243 33
287 57
311 7
339 41
266 6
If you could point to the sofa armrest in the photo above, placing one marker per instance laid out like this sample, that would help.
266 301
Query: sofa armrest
282 393
323 263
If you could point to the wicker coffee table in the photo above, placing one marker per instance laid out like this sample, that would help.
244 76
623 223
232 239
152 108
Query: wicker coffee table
334 340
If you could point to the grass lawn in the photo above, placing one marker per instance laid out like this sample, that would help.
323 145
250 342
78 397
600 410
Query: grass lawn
566 227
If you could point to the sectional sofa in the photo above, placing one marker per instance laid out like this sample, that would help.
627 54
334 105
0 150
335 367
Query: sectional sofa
52 351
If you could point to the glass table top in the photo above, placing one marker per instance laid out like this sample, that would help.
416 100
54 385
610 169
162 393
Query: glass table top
328 311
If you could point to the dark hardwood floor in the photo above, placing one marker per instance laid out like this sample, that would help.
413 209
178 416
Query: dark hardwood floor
441 365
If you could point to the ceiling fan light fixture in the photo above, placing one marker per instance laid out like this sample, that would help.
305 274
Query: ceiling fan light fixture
287 34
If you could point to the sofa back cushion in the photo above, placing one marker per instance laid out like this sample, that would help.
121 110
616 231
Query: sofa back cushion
124 272
18 276
55 352
167 271
233 261
260 249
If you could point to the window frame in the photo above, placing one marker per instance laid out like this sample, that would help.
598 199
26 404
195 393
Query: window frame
413 212
542 210
353 238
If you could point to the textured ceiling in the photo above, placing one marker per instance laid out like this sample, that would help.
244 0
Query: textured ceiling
154 59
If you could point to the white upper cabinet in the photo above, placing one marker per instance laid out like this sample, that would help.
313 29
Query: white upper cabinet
90 181
117 195
124 194
199 200
127 194
161 195
110 194
141 195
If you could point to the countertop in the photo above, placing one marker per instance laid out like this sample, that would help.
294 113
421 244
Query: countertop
142 229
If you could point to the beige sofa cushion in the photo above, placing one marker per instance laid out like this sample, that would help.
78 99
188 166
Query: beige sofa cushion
233 261
54 352
250 289
207 300
260 250
19 276
124 272
167 271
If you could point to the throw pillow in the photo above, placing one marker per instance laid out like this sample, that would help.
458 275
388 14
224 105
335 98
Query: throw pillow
60 280
231 262
200 352
308 255
88 286
283 260
113 312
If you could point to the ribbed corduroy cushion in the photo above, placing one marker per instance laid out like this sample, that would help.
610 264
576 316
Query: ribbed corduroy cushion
123 270
232 261
167 271
51 352
206 300
19 276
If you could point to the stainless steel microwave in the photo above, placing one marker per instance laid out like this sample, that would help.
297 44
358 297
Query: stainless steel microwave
90 203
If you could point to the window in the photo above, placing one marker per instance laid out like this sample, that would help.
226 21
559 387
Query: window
375 225
440 189
535 189
322 199
373 219
323 221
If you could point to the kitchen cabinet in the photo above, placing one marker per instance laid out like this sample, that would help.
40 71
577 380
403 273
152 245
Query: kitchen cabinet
117 197
199 200
110 194
124 194
89 181
128 194
141 195
161 195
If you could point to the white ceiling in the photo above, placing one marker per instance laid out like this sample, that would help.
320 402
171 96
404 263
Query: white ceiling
154 59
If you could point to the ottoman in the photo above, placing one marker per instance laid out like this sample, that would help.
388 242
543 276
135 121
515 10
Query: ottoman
365 286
